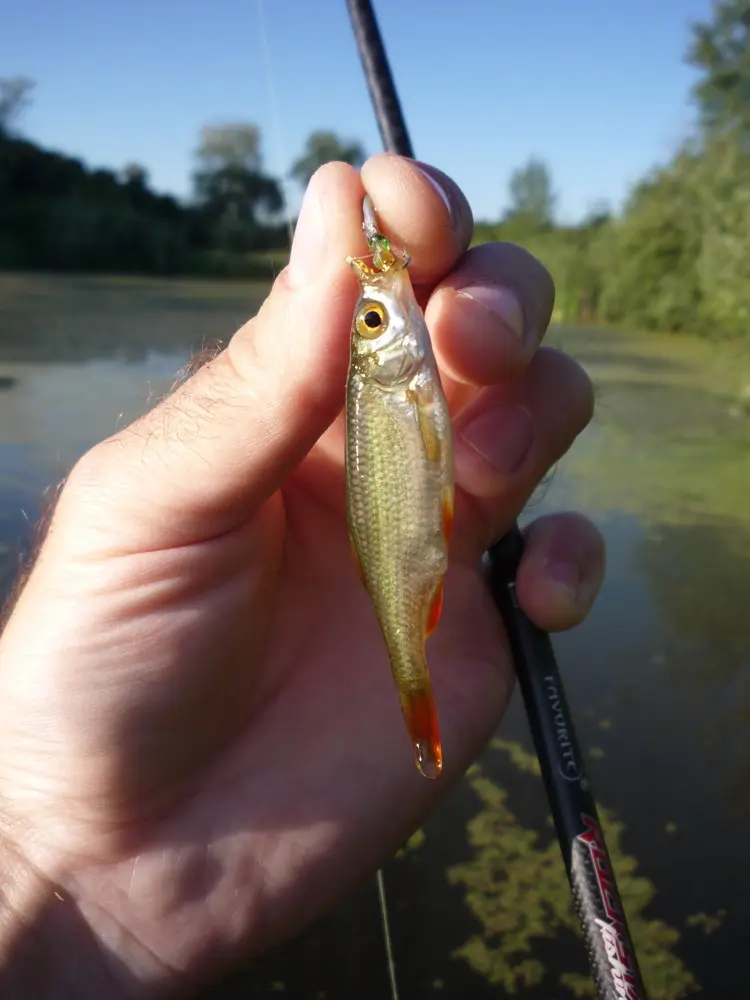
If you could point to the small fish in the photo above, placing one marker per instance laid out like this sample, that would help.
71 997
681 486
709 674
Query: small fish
399 478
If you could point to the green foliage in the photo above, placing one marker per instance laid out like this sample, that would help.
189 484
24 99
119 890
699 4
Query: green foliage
723 265
676 260
721 50
649 256
55 214
231 198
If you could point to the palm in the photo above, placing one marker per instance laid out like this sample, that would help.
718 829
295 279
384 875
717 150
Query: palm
276 748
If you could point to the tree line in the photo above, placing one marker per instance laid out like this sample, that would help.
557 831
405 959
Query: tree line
675 258
57 214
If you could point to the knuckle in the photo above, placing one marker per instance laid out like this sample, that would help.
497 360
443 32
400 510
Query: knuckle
91 469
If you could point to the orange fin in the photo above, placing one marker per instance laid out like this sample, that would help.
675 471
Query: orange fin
425 407
357 564
447 515
436 607
420 715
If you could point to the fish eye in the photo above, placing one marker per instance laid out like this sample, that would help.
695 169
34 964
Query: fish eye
372 320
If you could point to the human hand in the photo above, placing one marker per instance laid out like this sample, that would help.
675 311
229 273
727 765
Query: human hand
201 747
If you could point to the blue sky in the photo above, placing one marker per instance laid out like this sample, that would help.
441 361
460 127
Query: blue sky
597 88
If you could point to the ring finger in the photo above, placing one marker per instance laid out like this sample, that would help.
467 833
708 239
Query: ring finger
508 438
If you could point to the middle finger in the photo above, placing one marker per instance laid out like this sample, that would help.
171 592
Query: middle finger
488 318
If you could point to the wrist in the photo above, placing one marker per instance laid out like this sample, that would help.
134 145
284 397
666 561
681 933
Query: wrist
47 949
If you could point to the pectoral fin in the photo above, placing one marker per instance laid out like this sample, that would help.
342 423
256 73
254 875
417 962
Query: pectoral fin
425 408
447 514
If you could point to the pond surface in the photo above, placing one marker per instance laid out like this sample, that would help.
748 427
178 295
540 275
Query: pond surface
658 678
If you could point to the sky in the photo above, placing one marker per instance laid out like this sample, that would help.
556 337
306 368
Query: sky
596 88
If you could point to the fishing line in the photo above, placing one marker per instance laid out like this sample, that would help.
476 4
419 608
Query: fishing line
387 935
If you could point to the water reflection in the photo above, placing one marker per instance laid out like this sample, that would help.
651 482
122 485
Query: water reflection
698 575
697 572
22 492
53 319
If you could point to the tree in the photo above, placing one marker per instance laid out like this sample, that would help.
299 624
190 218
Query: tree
230 187
650 257
532 200
14 99
234 190
235 144
722 190
324 147
677 259
135 175
721 49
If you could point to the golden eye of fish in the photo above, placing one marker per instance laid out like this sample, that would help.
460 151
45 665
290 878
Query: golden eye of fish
372 320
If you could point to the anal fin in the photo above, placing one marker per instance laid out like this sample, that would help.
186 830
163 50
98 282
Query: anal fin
447 514
425 408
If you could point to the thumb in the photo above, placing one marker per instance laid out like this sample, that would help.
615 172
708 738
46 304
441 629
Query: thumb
209 454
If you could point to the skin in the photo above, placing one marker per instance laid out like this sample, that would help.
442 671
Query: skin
201 748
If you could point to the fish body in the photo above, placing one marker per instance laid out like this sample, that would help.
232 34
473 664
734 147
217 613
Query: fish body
399 485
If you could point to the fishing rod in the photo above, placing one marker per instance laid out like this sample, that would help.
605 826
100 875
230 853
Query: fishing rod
612 959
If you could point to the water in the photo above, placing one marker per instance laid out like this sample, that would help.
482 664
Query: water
657 678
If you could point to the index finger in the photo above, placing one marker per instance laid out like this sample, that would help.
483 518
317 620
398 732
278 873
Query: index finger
423 211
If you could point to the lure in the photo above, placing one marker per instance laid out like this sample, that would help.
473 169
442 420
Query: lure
399 477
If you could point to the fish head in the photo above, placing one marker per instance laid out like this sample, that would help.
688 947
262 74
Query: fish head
389 339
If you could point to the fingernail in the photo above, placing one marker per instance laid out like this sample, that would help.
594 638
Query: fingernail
567 575
434 182
308 245
501 302
502 436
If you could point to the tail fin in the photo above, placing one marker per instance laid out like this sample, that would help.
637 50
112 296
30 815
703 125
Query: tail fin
420 715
